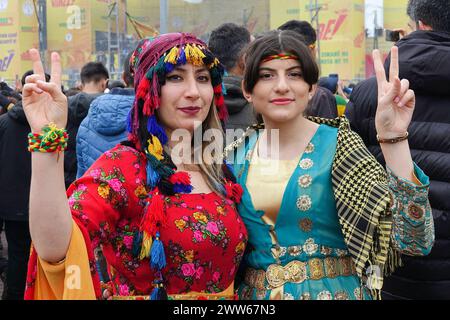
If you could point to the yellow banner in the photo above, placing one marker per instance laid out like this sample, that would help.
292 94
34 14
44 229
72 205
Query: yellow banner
342 38
69 32
18 33
282 11
395 16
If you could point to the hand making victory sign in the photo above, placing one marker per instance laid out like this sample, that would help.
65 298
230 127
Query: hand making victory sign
44 102
396 101
395 108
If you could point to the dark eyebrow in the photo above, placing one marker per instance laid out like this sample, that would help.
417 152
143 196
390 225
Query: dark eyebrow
288 69
183 69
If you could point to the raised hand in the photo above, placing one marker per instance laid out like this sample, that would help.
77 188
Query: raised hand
396 101
44 102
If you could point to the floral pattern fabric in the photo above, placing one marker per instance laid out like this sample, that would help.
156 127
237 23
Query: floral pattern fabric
204 236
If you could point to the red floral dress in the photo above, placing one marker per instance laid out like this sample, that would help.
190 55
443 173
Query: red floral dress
204 237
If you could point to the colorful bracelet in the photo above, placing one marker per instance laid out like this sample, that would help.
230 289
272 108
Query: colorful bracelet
52 139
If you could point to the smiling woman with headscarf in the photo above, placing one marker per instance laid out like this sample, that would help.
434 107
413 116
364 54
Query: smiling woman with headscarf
164 228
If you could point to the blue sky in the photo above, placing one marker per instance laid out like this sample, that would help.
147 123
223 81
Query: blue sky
371 7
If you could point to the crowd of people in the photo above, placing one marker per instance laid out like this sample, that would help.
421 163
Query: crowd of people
357 176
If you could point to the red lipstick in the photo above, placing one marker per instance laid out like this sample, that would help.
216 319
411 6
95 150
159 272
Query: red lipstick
190 110
281 101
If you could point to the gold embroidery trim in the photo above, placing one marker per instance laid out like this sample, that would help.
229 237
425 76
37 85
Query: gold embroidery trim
299 271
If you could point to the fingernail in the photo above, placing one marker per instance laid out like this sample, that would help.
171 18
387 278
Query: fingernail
400 104
397 100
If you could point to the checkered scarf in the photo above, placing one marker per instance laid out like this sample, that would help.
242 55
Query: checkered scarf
363 204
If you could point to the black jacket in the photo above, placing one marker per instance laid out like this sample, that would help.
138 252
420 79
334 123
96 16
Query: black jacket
15 168
78 110
424 59
240 112
323 104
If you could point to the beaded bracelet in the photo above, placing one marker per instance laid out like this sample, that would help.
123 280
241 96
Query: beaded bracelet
52 139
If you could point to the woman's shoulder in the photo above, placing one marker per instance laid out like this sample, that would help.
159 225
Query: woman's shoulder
123 159
123 151
243 142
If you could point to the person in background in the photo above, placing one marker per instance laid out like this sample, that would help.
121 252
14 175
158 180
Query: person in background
228 42
323 104
94 79
424 58
334 85
105 125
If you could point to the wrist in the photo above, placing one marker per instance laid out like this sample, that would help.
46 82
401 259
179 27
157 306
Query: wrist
391 138
51 139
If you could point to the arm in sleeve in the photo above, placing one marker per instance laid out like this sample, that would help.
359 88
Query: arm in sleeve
412 220
97 202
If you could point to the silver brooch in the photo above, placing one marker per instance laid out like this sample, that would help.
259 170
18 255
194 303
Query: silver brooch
305 296
326 251
305 181
295 251
306 224
304 203
341 253
310 247
306 164
341 295
325 295
309 148
358 294
288 296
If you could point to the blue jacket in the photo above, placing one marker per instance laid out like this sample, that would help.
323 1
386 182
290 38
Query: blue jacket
104 127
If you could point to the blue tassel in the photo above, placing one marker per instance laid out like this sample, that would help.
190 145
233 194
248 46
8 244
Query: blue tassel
182 188
155 294
158 293
182 58
229 166
99 271
137 244
130 121
158 257
169 67
154 128
153 177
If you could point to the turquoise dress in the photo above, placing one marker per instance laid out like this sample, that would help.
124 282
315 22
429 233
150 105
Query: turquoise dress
305 247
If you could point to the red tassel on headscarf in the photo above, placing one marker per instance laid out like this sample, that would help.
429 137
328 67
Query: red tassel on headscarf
223 112
147 110
237 192
234 191
143 88
218 89
180 178
154 214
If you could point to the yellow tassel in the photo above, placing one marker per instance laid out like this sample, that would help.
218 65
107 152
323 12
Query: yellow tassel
155 148
214 64
188 52
194 55
146 246
50 134
198 56
172 56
